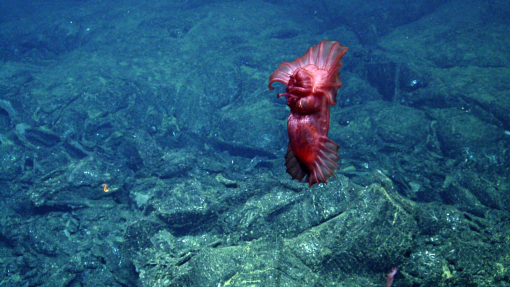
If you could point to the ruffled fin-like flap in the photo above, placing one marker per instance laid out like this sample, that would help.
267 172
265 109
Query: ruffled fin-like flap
293 167
322 167
326 55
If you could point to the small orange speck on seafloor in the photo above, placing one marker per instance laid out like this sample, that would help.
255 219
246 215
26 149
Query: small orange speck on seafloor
105 187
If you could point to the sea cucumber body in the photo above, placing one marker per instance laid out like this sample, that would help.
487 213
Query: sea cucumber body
312 82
